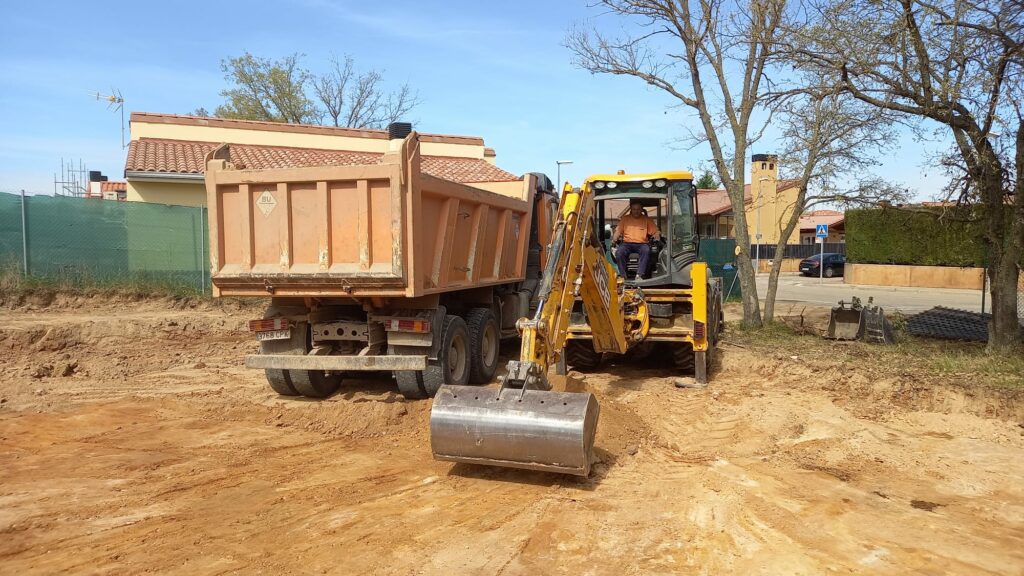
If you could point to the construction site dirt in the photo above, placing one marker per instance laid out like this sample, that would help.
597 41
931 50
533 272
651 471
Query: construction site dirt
132 440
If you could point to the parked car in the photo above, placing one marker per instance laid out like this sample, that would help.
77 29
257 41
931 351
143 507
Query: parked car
834 264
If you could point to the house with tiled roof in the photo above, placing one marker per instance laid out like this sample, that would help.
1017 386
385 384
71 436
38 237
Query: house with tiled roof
836 222
768 203
166 154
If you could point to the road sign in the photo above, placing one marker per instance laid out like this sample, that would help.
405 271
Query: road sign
821 230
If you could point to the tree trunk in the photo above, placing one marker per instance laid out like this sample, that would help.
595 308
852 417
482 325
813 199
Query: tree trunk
748 282
1004 228
1004 327
773 284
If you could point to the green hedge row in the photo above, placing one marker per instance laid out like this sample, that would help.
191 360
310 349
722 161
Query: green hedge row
891 236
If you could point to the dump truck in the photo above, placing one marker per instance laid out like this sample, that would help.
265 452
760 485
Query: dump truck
588 309
377 267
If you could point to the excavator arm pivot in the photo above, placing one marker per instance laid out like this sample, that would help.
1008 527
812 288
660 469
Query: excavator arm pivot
524 424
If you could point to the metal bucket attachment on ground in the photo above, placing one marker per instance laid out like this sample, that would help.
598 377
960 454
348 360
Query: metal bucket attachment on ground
515 428
846 322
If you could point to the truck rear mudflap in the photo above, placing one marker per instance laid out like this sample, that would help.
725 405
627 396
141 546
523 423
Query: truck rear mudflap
336 363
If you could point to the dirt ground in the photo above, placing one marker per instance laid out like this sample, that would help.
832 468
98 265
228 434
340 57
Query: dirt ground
132 441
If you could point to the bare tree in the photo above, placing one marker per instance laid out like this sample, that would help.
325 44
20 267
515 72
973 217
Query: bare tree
283 91
357 100
957 64
828 140
712 57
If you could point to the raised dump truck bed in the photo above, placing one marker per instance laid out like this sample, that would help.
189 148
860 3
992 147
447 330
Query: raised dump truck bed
385 229
377 267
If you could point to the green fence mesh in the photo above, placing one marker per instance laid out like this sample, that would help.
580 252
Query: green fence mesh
720 254
92 240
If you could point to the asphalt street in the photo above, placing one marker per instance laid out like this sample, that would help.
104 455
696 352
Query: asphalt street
794 288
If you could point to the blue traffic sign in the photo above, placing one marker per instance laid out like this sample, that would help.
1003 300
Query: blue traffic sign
821 230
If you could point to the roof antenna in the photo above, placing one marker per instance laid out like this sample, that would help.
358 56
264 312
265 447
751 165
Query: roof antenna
115 102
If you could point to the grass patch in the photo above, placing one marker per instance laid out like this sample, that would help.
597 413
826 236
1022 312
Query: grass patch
957 363
15 286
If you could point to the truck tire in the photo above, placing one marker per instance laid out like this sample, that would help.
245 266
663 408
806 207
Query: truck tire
451 367
580 355
484 345
280 380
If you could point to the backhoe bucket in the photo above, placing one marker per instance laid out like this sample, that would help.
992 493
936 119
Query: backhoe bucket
515 428
845 323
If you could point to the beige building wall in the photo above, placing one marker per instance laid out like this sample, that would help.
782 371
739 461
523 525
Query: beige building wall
141 128
768 205
187 193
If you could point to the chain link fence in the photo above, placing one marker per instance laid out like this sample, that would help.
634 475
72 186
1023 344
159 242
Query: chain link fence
90 241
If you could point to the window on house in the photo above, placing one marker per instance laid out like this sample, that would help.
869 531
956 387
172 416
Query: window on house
709 230
763 165
771 166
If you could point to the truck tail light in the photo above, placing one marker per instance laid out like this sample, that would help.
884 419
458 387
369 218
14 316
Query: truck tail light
401 325
698 331
269 324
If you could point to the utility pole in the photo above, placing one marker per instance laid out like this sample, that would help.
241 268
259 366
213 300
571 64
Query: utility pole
558 184
757 236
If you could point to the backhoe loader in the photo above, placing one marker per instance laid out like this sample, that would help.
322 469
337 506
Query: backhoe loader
585 302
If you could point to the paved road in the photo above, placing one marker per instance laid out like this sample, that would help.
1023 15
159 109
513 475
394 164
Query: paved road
795 288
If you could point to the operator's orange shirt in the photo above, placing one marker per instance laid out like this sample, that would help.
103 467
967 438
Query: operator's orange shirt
635 229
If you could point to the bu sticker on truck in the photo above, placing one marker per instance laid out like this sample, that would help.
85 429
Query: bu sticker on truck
266 202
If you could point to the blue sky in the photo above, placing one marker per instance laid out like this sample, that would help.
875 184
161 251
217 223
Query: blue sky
493 69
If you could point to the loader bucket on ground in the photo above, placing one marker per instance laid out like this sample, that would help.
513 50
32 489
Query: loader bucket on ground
845 323
531 429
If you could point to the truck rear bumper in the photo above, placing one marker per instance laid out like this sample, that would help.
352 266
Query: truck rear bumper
335 363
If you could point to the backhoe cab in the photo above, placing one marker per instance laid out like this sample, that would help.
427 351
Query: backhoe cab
586 310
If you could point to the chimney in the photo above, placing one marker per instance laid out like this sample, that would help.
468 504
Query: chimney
399 130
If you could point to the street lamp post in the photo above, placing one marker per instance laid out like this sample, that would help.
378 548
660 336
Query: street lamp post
558 183
757 235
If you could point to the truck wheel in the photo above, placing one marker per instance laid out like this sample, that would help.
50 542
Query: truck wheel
280 380
451 367
484 345
580 355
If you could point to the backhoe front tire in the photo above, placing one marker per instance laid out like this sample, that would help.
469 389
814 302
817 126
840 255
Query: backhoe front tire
580 355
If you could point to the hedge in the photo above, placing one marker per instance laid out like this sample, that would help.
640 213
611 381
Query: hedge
891 236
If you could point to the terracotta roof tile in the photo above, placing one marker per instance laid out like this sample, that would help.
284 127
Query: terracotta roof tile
209 121
113 186
811 219
186 157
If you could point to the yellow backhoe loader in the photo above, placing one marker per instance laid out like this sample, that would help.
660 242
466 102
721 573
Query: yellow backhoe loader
585 301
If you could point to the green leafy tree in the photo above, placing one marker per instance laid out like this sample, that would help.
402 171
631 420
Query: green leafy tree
707 181
265 89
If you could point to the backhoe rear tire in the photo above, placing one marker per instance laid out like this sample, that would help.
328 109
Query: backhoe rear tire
580 355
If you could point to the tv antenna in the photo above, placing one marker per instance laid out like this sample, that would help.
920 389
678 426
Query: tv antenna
115 103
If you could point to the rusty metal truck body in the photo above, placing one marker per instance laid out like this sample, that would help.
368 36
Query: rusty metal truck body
378 267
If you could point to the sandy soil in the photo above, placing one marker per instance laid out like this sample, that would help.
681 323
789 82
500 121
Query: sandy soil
131 441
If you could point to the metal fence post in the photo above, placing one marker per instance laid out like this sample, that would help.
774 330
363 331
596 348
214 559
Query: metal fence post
202 248
24 235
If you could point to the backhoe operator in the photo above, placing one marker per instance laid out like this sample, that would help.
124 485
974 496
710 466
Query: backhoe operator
633 231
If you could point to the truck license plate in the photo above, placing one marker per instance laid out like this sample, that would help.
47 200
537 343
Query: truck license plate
273 335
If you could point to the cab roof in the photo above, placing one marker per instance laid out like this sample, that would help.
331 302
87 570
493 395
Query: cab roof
669 175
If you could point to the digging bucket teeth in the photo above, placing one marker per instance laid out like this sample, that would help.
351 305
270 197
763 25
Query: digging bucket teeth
515 428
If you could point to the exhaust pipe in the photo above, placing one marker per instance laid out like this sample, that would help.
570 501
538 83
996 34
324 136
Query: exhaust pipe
515 428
